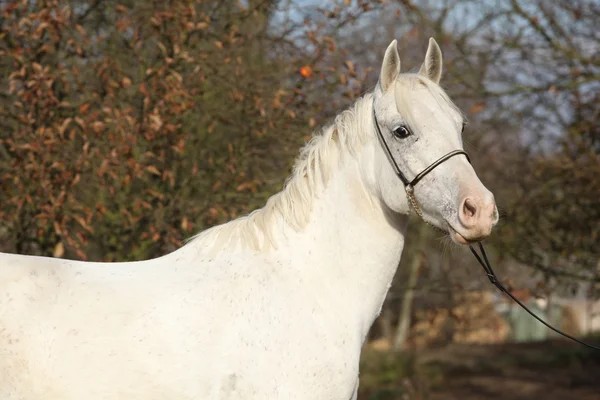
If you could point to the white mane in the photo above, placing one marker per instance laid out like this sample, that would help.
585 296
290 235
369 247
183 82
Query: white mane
312 170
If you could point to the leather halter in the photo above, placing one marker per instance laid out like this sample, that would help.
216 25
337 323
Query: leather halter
409 185
421 174
482 259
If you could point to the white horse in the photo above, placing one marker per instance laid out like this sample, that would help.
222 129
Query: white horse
274 305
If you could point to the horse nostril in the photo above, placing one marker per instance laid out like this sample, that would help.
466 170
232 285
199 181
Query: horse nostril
469 208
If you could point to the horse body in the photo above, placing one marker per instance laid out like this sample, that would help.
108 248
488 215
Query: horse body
275 305
244 324
165 335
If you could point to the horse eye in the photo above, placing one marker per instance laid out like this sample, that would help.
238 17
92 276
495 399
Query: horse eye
463 127
401 132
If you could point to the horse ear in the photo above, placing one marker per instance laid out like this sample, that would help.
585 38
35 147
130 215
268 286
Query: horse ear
390 67
432 66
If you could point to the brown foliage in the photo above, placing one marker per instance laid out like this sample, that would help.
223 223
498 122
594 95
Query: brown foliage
127 127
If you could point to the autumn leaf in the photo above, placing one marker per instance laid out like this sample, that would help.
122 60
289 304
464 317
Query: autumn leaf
185 224
350 65
97 126
76 180
152 169
57 228
81 254
306 71
477 108
64 125
59 250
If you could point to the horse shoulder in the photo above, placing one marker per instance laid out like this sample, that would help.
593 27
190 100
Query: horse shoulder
279 329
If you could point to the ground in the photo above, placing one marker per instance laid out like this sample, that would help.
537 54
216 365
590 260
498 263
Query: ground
547 370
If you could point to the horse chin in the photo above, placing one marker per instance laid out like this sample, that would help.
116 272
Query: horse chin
464 240
458 238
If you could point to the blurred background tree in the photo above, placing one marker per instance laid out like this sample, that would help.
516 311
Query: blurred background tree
128 126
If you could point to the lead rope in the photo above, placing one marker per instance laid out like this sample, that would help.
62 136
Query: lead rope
494 280
483 260
485 263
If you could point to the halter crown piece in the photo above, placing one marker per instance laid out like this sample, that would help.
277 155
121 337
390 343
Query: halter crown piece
482 259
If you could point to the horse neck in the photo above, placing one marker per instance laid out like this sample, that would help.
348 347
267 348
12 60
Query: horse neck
351 247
